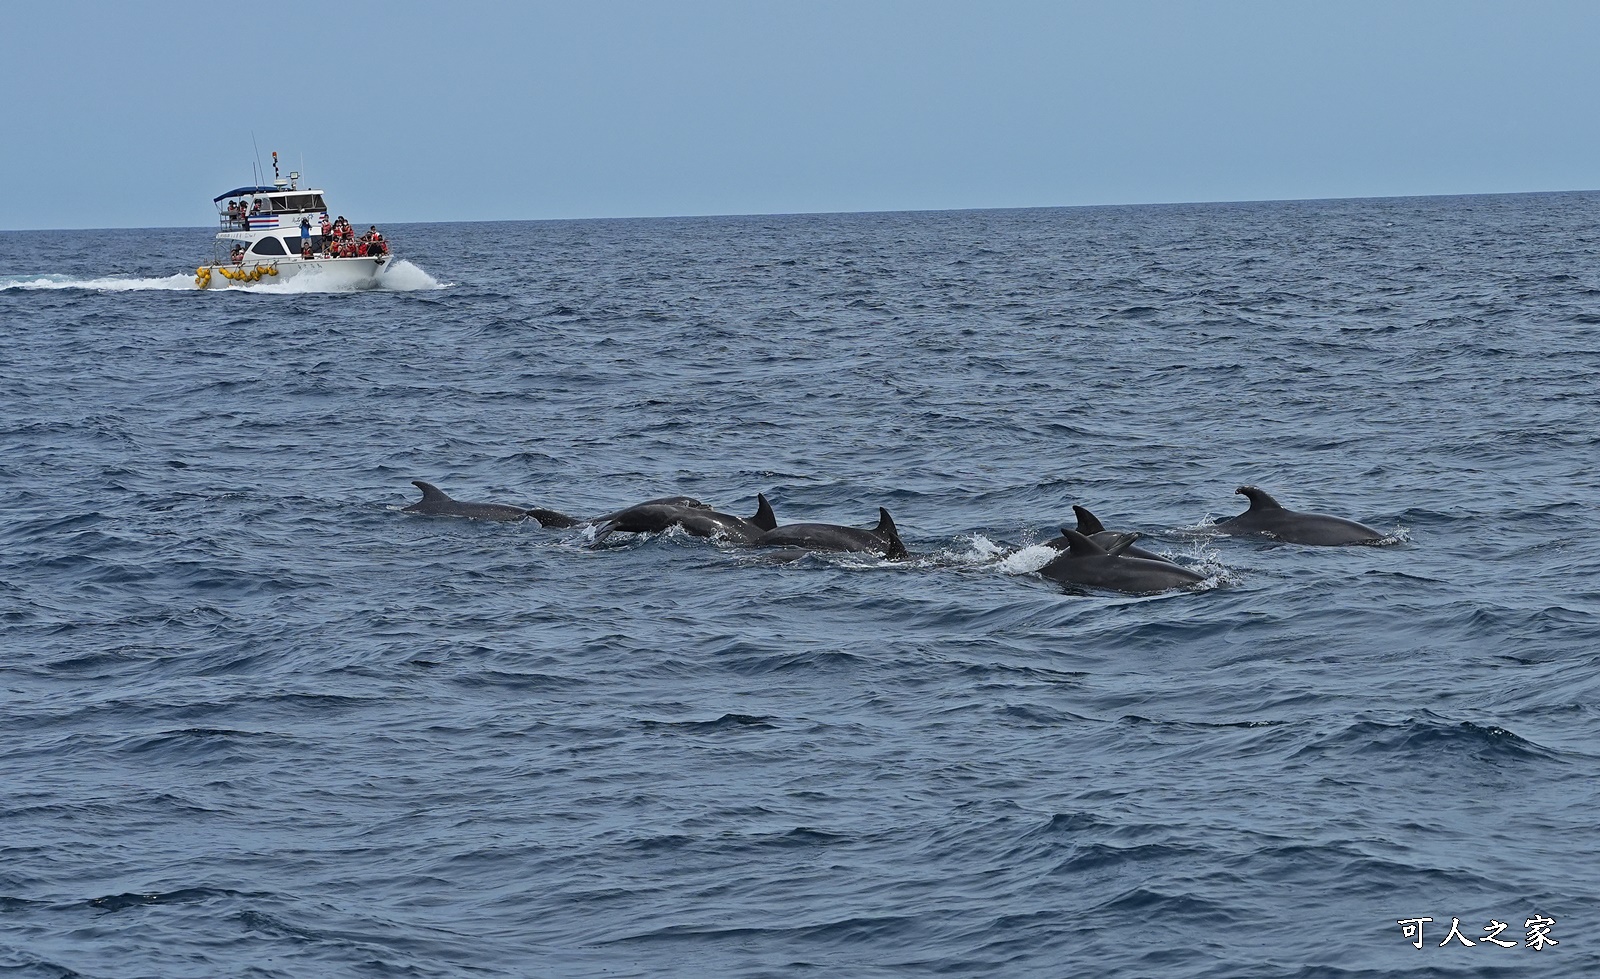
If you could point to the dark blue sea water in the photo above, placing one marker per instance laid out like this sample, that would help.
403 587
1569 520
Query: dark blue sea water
254 721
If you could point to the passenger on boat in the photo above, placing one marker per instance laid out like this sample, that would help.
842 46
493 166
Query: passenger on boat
238 254
327 228
305 247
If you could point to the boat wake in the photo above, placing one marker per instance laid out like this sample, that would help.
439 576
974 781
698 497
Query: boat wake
399 276
169 283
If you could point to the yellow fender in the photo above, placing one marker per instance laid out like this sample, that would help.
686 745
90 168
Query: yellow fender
272 270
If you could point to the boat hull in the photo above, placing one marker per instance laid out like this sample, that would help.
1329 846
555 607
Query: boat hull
335 274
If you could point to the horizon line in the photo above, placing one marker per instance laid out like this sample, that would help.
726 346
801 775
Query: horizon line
903 210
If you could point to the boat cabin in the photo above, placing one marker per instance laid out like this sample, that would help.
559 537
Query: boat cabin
278 206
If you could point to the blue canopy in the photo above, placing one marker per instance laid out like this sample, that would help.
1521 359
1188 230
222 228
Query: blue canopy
240 191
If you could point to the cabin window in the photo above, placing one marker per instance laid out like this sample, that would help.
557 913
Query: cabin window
268 246
278 203
306 202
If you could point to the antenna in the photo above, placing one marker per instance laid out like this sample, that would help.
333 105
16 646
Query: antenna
259 172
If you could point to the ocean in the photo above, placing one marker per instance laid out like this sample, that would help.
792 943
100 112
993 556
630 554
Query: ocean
255 721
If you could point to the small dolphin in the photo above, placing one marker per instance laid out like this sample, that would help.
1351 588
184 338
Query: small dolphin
1267 518
692 516
883 539
436 503
1090 526
1086 562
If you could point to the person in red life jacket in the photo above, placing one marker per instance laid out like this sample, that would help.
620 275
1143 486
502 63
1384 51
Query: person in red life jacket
361 248
238 255
327 228
305 247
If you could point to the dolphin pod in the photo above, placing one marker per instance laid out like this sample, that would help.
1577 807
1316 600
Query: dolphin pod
1091 556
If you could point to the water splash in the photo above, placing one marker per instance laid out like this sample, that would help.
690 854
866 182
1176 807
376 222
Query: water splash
402 276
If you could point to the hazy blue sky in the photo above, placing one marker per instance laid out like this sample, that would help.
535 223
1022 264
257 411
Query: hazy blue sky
136 114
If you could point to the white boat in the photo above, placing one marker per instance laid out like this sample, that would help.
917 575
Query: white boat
263 233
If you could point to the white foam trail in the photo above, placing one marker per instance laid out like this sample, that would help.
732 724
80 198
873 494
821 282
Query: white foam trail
171 283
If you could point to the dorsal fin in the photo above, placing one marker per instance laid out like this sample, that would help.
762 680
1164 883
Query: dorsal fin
1080 546
1122 543
430 492
764 518
1259 498
1088 523
886 529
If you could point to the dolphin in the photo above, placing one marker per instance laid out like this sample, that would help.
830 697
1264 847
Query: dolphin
436 503
1086 562
688 502
1268 518
692 516
883 539
1090 526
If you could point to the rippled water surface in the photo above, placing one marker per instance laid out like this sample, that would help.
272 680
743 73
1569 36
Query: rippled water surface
257 722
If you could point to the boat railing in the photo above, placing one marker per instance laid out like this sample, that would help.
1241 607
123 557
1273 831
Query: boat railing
240 221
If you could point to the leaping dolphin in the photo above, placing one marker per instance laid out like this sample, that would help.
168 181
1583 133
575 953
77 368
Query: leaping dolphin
883 539
436 503
1268 518
1086 562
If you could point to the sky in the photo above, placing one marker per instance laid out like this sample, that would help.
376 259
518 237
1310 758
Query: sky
136 114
